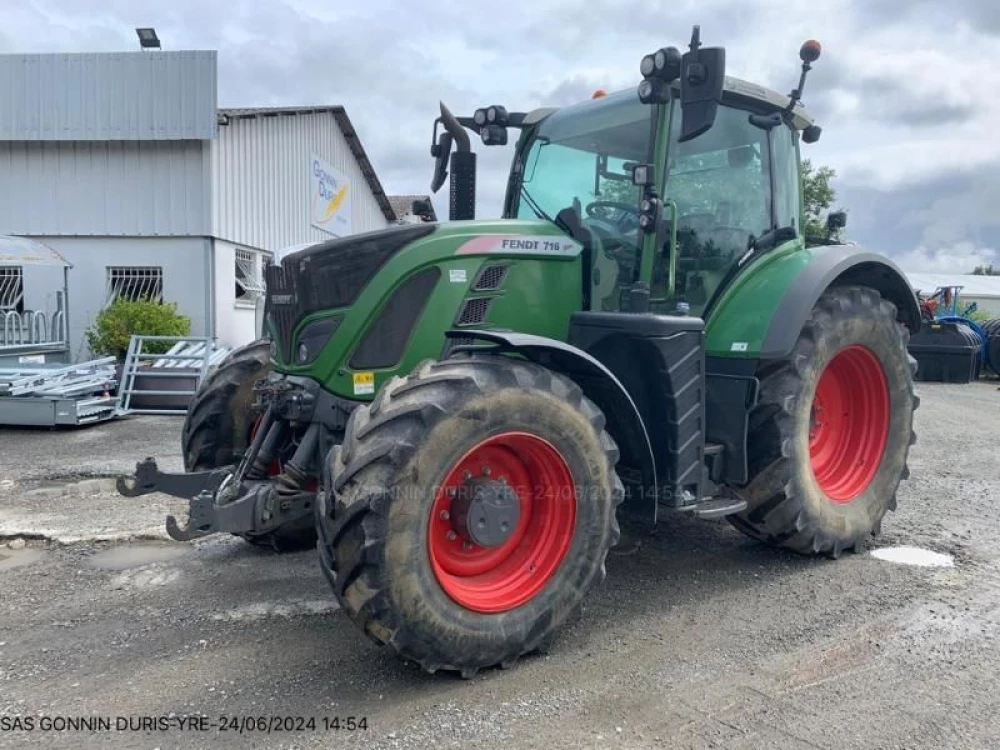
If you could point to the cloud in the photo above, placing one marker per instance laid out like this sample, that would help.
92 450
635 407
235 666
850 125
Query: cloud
902 90
960 258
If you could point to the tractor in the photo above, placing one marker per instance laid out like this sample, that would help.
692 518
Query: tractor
458 415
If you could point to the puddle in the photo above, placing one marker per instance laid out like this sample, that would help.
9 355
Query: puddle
126 556
918 556
16 558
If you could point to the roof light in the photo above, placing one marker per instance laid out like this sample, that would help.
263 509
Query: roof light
809 52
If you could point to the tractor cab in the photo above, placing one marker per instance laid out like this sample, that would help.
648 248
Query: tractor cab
723 154
725 190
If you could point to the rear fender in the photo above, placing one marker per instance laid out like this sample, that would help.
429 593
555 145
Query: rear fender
599 384
841 266
760 314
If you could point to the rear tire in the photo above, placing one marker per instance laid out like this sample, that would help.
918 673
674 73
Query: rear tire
218 426
992 330
830 437
387 543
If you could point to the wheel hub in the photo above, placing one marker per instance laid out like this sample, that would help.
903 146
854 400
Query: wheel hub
485 512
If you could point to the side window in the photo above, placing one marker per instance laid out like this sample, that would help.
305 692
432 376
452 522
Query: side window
786 178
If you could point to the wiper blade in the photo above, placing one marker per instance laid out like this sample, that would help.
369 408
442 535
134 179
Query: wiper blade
533 205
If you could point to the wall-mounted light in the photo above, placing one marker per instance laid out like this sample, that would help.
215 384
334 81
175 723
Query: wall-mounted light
148 38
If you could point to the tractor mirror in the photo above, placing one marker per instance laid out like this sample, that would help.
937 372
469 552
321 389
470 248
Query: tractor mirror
440 152
703 73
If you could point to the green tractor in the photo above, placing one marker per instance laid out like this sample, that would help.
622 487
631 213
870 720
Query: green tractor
458 414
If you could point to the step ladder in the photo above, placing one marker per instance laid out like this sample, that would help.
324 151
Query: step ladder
189 359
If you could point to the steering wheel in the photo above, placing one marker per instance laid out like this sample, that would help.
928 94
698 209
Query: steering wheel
594 210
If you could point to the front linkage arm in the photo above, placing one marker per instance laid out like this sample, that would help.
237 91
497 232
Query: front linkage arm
216 502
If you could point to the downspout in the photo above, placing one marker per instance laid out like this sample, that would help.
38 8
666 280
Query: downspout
211 318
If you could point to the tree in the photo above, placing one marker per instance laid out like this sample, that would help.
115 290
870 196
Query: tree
818 195
989 270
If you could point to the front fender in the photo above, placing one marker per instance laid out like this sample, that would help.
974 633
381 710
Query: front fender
601 386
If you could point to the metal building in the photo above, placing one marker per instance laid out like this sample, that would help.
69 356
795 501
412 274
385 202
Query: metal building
124 164
983 290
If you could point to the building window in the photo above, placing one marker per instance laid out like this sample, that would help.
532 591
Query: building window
11 289
134 283
249 275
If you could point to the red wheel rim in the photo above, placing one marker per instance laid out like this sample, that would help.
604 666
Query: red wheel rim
849 423
501 577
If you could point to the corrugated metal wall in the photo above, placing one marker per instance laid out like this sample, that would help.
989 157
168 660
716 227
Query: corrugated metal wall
109 188
261 187
108 96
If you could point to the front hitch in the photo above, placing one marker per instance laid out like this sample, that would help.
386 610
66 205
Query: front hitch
216 504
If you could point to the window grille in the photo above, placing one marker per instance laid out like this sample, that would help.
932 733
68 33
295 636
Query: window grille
11 289
134 283
249 275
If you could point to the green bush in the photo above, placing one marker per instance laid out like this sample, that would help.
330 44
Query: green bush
114 327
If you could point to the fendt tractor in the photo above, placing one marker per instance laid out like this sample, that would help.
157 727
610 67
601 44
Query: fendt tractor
459 414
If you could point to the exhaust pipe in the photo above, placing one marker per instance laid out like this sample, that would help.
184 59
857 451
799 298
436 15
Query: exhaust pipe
462 199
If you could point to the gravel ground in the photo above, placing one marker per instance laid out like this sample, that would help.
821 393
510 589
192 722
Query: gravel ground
700 638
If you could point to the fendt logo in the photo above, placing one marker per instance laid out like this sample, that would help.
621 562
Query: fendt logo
330 202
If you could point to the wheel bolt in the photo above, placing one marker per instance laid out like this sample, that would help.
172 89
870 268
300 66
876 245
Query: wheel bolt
445 515
466 545
452 492
451 536
486 471
466 475
503 480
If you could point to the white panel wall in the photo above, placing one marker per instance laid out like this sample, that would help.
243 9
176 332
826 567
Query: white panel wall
235 321
261 180
104 188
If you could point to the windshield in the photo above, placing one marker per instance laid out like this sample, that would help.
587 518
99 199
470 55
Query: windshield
579 154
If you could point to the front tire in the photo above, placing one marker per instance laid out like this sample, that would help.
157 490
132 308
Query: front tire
472 508
830 437
218 427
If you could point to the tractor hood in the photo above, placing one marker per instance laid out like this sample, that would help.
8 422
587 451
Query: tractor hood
332 275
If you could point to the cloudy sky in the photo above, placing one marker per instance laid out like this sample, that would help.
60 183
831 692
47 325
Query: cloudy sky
904 90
